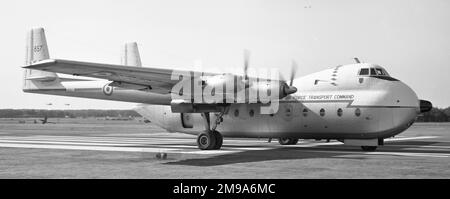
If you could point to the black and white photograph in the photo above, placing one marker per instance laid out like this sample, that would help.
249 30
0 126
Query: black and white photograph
214 89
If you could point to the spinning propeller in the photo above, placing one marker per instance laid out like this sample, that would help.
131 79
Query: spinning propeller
284 87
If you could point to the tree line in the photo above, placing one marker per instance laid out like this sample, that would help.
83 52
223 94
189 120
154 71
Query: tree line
32 113
435 115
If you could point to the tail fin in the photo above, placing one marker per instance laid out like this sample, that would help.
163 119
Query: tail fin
36 50
130 55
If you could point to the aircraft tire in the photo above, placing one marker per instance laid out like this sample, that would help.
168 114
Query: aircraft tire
287 141
369 148
219 140
206 140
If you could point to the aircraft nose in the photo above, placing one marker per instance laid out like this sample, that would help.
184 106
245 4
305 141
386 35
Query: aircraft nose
425 106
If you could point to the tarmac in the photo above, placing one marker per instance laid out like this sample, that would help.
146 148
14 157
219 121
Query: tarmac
93 148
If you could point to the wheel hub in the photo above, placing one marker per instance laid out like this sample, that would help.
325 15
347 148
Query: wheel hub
204 140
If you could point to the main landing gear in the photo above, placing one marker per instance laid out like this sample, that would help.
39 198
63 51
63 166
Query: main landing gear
210 139
288 141
368 148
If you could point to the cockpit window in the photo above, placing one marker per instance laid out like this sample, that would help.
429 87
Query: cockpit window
364 71
372 71
380 71
375 72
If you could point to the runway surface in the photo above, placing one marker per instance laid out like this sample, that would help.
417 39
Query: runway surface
125 149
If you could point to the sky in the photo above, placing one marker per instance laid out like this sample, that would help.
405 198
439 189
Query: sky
410 38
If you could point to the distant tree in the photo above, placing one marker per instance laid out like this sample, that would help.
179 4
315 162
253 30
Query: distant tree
435 115
21 113
447 112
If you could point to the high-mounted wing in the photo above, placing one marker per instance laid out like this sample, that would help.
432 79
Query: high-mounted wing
156 79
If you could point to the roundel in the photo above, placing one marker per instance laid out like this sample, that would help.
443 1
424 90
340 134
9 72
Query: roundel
107 90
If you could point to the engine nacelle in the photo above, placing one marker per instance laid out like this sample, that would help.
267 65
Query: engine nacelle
267 91
229 88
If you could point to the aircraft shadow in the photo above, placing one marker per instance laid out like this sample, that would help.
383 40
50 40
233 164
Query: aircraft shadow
298 153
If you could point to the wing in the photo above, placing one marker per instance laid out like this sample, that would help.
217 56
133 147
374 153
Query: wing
158 80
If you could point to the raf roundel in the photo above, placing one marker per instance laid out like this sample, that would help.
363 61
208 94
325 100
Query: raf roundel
108 90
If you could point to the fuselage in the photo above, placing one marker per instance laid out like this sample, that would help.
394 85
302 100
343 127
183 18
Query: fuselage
337 103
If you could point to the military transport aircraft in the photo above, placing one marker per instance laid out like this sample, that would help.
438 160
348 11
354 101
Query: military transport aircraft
358 104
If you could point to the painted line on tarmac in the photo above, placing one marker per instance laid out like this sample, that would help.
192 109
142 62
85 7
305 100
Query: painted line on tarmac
435 155
435 146
88 138
173 141
419 147
409 138
63 142
115 149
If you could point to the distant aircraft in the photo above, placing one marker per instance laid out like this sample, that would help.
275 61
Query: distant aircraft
358 104
45 121
49 104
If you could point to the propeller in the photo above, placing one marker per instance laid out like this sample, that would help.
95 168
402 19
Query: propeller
286 89
290 89
246 64
294 68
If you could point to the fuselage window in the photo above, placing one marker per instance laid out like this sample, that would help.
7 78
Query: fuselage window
339 112
251 113
305 112
364 71
322 112
357 112
236 113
